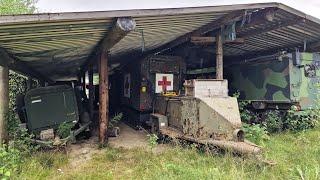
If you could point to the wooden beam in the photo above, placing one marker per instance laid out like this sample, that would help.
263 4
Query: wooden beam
121 27
210 40
29 83
219 57
103 98
216 24
314 46
83 80
20 66
4 101
91 92
275 26
256 18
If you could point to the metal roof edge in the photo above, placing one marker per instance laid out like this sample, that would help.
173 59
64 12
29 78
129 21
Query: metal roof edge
8 19
298 13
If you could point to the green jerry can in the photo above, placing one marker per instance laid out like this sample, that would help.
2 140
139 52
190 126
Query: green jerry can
48 107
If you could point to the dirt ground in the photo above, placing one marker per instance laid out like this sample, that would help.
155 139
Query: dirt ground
129 138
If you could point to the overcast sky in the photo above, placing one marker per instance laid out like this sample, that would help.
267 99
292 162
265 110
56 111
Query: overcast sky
311 7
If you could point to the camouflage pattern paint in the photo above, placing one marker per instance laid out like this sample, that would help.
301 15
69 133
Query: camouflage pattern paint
290 78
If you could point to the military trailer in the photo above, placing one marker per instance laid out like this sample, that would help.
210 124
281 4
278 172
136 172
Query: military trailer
278 81
145 78
44 109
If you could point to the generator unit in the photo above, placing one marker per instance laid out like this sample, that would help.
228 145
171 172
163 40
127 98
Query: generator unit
142 80
44 109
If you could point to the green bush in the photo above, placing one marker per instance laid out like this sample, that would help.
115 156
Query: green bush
64 129
115 120
255 133
245 114
273 121
10 158
302 120
153 138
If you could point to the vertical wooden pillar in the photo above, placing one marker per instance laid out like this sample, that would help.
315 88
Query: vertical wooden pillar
91 91
29 83
84 82
4 101
103 97
219 57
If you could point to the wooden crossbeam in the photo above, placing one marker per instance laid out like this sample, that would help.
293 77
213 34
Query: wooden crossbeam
210 40
259 17
216 24
121 27
314 46
272 27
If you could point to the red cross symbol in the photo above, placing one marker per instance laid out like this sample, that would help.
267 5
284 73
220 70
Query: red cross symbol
164 83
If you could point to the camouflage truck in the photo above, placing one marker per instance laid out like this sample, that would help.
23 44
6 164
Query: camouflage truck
278 81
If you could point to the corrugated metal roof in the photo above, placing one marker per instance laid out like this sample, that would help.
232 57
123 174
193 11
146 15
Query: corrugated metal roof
57 44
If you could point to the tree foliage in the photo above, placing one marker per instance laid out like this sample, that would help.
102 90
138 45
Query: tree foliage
9 7
10 156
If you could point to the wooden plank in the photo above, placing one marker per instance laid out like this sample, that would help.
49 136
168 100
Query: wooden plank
4 102
103 98
219 57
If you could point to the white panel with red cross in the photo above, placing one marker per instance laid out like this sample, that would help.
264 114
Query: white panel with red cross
164 82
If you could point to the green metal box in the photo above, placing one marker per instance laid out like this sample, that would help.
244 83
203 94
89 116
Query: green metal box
48 107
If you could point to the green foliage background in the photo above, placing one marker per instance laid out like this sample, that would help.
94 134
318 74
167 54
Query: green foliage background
11 154
9 7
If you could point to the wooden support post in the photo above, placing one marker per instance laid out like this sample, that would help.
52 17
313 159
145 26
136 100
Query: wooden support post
219 57
84 82
103 98
4 101
91 91
29 83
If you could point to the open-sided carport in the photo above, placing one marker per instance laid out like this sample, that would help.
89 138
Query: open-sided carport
64 46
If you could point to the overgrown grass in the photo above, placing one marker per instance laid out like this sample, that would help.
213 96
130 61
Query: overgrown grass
297 156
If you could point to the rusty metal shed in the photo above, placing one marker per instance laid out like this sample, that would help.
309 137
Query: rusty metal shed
56 46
